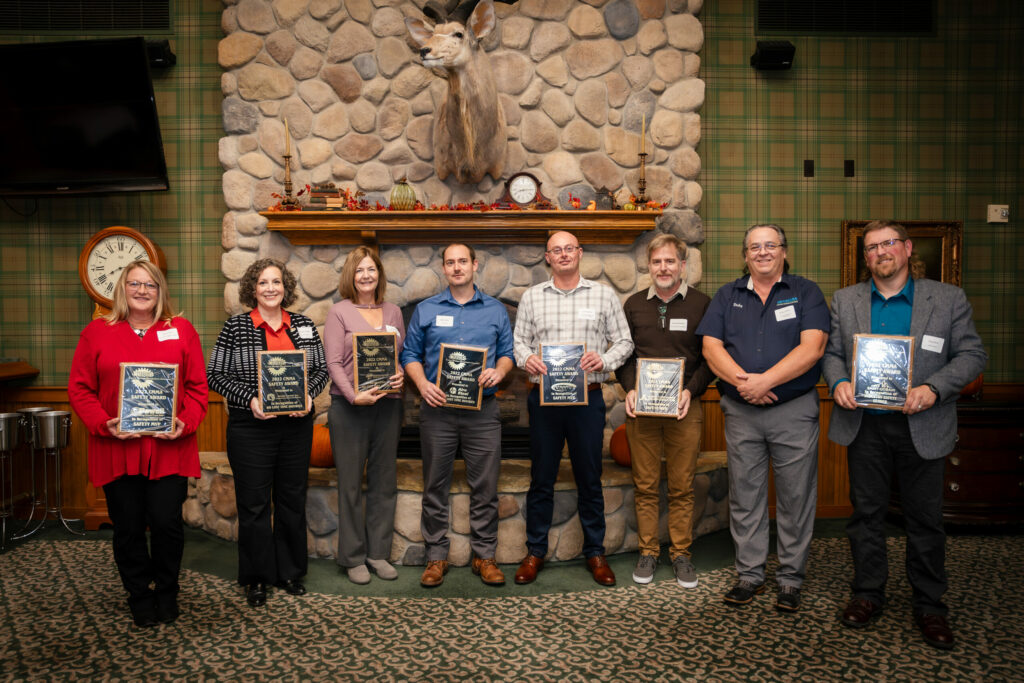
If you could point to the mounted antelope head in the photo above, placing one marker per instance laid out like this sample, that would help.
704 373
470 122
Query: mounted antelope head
469 126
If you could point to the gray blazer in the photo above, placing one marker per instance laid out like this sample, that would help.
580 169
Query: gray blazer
941 311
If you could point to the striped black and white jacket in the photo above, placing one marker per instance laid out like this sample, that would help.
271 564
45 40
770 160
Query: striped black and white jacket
232 370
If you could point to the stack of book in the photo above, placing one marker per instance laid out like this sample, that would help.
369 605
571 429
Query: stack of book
325 197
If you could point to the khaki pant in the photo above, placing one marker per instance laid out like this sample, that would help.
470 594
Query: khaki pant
681 442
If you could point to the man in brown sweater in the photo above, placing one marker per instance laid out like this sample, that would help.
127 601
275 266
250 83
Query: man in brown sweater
663 322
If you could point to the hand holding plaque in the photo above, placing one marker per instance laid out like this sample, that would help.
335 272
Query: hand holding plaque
882 370
148 398
282 378
566 382
375 360
659 386
458 375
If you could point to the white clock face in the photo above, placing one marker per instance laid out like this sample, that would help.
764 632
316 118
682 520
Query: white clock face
523 189
109 257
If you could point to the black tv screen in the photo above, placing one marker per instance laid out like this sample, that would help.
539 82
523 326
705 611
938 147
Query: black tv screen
78 117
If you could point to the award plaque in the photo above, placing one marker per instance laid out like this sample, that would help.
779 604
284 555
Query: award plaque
282 382
374 360
881 370
148 398
458 375
659 386
566 382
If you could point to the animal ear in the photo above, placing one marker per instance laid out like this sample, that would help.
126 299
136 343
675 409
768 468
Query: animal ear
482 20
418 31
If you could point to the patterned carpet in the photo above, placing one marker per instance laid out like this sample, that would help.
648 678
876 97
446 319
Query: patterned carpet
62 617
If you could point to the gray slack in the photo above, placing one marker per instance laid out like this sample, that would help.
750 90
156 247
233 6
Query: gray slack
787 436
365 437
442 430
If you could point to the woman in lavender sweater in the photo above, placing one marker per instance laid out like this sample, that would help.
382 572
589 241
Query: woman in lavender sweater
364 424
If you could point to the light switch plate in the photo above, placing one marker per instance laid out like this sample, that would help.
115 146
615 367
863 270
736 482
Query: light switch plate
998 213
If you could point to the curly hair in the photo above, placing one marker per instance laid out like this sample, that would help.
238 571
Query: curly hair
247 285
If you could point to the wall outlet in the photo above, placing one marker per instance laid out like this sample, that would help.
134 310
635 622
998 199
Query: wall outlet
998 213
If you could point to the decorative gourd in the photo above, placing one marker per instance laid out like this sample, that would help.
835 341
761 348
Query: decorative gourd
629 206
320 455
403 197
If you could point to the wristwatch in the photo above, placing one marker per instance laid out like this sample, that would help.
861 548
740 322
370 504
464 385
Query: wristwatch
934 390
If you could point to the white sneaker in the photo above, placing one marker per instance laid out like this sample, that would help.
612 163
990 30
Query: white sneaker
686 573
383 569
358 574
645 566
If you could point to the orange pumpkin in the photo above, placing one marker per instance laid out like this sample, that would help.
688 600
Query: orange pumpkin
321 455
619 447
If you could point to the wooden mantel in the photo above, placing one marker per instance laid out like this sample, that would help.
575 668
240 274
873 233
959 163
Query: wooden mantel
438 227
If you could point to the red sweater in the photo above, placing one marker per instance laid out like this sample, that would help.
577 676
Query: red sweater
93 387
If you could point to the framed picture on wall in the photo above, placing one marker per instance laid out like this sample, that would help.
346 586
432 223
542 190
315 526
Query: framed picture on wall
938 246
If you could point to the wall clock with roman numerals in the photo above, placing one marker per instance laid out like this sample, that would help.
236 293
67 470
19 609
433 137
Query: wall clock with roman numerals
107 254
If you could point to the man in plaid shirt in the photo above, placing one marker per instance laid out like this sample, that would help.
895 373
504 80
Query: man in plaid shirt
565 309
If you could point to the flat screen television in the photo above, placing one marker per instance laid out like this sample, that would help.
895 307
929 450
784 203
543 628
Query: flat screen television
78 117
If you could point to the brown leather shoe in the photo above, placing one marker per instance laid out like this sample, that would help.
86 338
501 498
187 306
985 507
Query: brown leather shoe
935 630
600 570
488 571
860 613
529 568
433 575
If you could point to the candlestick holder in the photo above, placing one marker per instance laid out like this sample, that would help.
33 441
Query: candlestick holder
288 202
641 183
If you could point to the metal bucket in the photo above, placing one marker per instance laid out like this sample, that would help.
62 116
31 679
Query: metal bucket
31 424
9 431
54 429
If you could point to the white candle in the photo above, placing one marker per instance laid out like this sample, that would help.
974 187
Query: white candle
643 134
287 140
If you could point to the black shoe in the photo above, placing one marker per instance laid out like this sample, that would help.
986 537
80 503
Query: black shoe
935 630
144 614
167 608
788 599
292 586
743 592
859 613
256 594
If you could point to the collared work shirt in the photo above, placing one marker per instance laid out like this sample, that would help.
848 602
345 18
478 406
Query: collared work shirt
758 336
482 321
589 313
892 315
277 340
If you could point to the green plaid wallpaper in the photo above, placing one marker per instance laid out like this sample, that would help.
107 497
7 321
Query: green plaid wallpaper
43 308
933 125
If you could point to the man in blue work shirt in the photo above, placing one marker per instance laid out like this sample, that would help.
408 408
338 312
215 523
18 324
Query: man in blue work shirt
910 443
463 315
764 336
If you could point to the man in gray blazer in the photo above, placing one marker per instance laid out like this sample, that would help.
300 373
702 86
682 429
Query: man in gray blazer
910 442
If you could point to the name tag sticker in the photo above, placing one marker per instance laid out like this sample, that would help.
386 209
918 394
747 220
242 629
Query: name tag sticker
587 314
785 313
677 325
305 332
164 335
930 343
444 321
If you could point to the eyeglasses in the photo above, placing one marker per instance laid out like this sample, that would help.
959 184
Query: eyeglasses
568 250
148 286
767 246
888 244
662 310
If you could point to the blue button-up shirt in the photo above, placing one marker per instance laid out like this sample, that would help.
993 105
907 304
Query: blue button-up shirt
892 315
482 321
758 336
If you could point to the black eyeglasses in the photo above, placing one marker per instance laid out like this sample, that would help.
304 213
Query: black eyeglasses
888 244
662 310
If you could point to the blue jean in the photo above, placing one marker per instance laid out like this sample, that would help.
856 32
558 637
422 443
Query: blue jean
551 427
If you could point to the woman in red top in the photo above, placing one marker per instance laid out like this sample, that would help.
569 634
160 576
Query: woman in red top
143 477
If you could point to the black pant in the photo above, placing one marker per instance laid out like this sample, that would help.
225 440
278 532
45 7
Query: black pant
270 463
134 502
883 446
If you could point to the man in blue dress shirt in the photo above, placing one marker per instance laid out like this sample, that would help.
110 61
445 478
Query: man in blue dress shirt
462 315
764 336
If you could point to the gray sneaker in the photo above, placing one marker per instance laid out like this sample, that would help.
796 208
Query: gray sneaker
645 566
686 573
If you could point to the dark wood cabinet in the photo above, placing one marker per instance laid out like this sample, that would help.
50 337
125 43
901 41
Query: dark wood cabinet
984 479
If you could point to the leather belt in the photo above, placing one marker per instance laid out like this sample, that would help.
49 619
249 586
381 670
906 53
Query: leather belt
590 387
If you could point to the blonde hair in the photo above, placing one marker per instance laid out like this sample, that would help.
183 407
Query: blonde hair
667 240
347 280
162 311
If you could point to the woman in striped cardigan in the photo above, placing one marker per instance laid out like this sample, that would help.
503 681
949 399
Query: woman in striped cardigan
269 454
